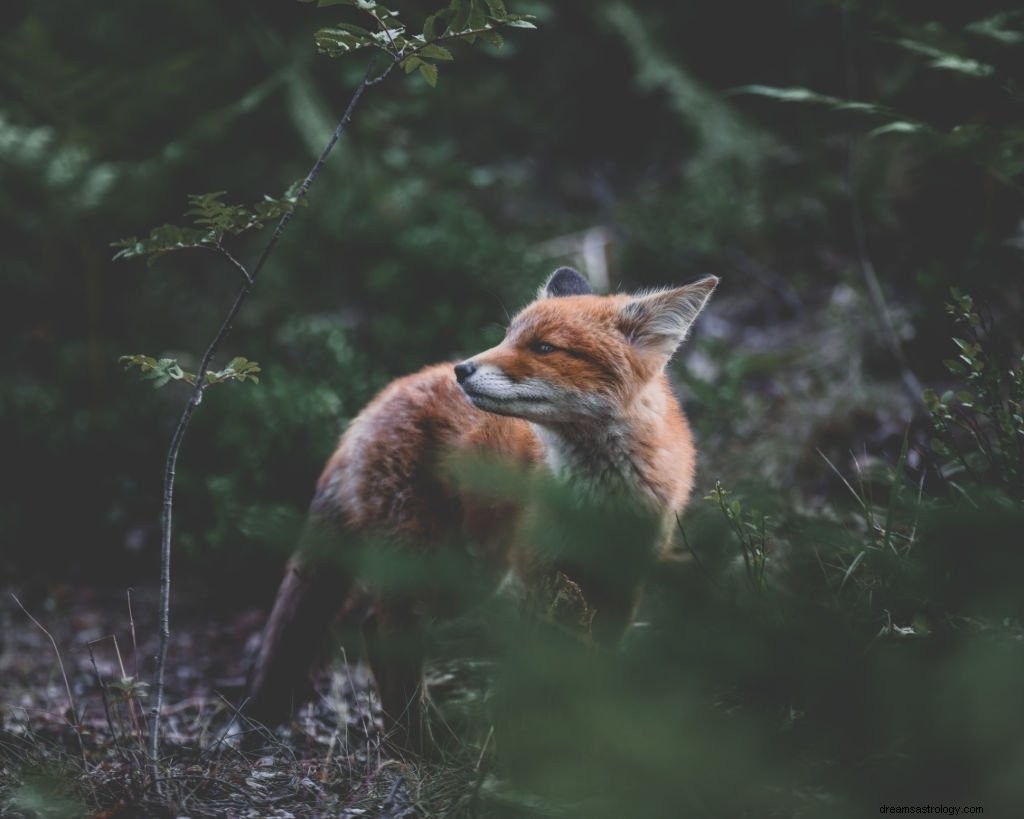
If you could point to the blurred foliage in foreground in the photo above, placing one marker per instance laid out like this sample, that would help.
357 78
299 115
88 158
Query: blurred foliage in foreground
786 664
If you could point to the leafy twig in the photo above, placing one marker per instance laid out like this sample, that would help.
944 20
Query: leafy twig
194 400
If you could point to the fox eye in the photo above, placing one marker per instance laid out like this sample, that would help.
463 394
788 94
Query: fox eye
542 347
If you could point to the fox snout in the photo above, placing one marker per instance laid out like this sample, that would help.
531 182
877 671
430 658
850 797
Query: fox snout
464 371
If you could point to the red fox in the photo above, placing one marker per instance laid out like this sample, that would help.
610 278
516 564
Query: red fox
576 390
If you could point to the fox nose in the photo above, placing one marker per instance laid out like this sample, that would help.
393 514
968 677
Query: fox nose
464 370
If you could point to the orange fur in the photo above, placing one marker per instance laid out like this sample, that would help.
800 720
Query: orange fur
577 387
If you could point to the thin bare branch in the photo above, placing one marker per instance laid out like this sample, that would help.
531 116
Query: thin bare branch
196 396
227 254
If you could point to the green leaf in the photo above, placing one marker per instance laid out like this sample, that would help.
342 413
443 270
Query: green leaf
459 11
160 372
358 31
388 38
791 94
429 72
430 27
994 28
145 362
336 41
954 366
899 127
213 218
435 52
477 15
852 568
857 105
209 211
497 8
806 95
243 369
164 239
946 60
238 369
518 21
962 65
411 63
365 5
130 248
492 38
129 687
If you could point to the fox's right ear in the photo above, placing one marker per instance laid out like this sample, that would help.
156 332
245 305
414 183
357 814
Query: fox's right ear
564 282
660 321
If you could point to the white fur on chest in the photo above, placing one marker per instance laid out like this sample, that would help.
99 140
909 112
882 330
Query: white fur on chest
594 462
606 457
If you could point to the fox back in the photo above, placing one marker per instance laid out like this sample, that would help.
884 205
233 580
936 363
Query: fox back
577 393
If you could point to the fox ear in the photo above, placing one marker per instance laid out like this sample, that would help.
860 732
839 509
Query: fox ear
661 320
564 282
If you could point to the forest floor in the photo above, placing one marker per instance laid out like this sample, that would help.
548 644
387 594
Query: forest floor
74 703
332 760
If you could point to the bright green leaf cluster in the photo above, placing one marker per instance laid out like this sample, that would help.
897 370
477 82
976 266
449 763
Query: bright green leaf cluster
238 369
212 219
162 371
461 20
210 212
159 371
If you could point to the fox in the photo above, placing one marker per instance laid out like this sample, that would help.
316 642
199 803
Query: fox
577 393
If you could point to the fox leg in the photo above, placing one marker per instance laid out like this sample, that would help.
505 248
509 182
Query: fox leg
395 649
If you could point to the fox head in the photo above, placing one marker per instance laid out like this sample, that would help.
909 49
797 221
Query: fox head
570 356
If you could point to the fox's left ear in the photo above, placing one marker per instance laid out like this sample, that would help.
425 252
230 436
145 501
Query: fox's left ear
564 282
660 321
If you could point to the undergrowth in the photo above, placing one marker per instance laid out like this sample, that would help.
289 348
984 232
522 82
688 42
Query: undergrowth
790 660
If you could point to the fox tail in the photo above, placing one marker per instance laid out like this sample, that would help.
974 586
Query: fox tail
294 641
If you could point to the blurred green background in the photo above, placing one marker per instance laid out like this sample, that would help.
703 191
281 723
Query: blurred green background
619 137
441 211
